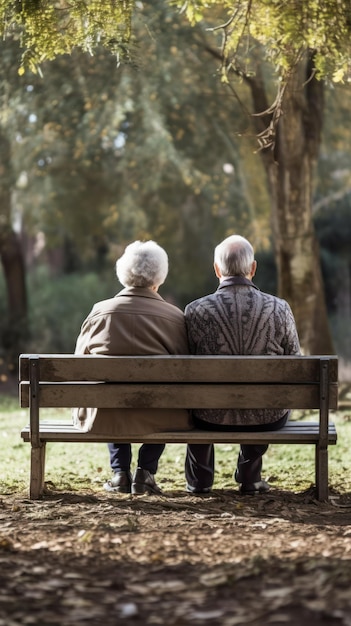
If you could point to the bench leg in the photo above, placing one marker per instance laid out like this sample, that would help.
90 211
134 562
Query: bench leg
37 472
322 472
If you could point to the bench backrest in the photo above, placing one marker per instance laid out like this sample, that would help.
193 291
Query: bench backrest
295 382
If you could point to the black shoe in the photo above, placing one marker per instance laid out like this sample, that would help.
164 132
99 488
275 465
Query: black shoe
196 490
144 482
121 482
237 476
253 489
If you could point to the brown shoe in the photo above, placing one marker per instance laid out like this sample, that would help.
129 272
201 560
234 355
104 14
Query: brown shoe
121 482
144 482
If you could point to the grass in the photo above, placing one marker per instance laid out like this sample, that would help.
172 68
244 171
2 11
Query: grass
78 467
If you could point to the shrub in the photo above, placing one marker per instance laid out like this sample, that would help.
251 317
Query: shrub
58 306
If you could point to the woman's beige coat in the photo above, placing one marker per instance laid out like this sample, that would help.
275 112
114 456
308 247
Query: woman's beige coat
137 321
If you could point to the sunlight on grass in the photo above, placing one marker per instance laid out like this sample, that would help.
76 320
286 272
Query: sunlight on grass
75 467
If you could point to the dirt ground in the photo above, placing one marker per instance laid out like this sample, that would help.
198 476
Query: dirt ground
220 559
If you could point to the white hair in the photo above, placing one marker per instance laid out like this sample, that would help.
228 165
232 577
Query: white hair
234 256
143 264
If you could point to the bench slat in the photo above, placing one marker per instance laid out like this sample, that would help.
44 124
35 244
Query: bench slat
293 432
207 369
177 396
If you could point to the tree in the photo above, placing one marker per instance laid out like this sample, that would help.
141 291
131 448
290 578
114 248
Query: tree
100 156
44 30
305 42
139 137
15 327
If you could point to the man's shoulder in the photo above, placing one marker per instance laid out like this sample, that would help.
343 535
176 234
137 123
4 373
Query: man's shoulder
203 301
279 302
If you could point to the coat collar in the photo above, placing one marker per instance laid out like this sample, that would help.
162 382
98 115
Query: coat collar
142 292
233 281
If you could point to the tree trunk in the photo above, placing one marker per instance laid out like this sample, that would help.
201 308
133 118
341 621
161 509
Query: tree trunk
290 170
15 329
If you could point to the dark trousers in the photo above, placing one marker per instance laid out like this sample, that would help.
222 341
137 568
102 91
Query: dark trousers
199 461
148 456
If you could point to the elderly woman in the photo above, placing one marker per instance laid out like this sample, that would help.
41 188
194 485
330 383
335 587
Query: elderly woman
137 321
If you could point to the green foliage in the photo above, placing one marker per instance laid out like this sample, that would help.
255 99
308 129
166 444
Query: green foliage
58 306
333 226
340 327
48 28
146 151
285 30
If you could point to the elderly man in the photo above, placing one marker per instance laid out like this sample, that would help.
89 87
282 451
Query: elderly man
137 321
237 319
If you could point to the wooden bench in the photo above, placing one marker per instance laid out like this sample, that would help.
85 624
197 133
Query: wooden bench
296 382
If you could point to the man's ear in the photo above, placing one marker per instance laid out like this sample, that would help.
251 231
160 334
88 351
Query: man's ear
253 269
217 271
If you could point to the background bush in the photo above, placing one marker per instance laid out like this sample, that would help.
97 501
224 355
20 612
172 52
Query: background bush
58 306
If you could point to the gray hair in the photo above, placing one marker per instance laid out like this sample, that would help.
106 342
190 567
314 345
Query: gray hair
234 256
143 264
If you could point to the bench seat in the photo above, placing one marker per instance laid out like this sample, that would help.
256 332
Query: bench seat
293 432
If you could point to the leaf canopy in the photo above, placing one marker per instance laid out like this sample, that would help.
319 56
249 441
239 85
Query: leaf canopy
285 28
49 28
